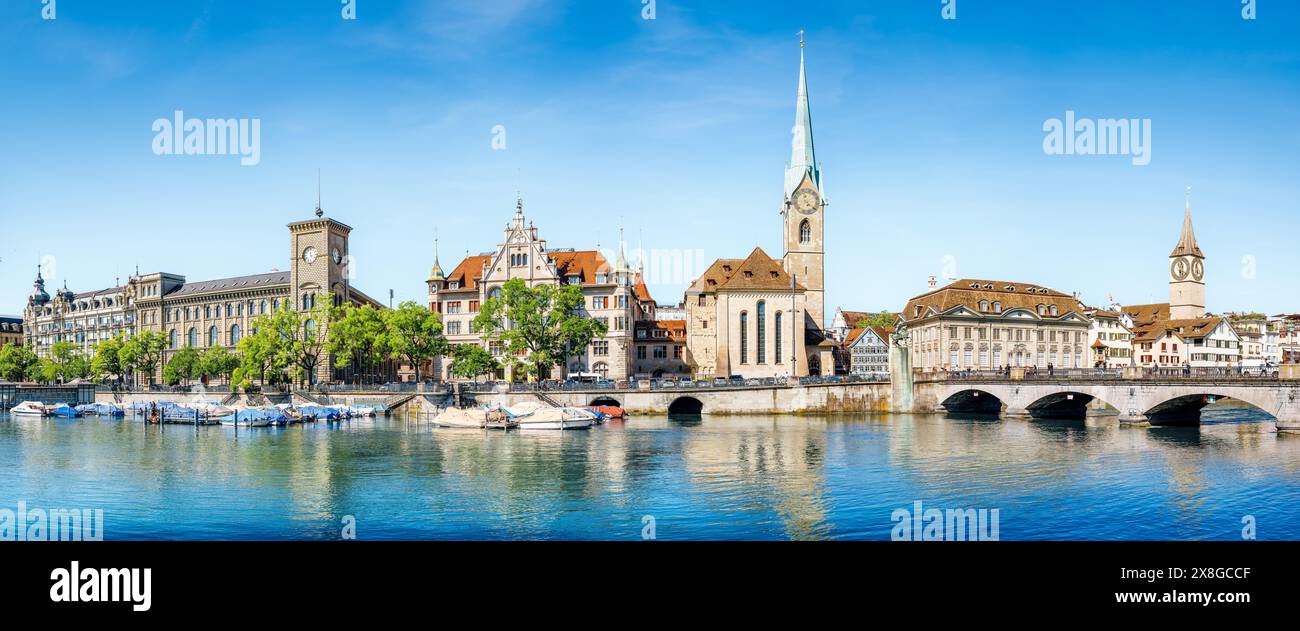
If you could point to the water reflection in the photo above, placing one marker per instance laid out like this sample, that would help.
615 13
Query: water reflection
710 477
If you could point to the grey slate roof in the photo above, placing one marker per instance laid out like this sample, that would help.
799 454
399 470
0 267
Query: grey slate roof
230 284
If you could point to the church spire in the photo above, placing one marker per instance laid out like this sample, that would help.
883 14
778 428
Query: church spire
1187 240
803 159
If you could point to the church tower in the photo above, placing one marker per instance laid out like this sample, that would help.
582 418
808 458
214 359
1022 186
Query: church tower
1186 274
805 206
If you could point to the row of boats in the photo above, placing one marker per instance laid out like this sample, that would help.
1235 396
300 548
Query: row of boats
527 415
201 413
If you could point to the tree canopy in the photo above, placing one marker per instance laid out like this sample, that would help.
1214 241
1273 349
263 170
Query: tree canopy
545 323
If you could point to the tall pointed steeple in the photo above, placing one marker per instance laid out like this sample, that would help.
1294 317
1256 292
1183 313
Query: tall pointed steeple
1187 240
803 159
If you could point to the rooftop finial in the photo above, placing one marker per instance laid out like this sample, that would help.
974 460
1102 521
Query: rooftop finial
1188 203
319 212
800 38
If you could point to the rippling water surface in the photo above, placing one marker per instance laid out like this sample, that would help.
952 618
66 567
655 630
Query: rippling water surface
716 477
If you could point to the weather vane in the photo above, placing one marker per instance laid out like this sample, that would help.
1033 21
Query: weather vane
800 38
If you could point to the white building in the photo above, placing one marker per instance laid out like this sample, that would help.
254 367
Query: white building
1110 338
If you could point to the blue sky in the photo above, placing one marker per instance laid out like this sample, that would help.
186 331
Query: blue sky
929 132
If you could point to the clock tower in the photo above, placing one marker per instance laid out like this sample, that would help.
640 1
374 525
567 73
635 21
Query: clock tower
804 209
319 271
1186 274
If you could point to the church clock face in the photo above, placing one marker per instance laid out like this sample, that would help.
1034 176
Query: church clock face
1198 269
309 255
1179 269
805 201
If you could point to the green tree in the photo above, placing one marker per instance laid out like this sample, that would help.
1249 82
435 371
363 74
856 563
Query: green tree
359 334
217 361
183 366
883 319
107 361
472 360
63 364
545 323
415 334
144 352
261 356
18 363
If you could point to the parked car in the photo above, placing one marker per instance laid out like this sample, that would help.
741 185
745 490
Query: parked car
687 382
720 381
667 383
737 380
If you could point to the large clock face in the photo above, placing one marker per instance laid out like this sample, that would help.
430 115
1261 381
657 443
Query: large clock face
309 255
805 201
1179 268
1198 269
337 256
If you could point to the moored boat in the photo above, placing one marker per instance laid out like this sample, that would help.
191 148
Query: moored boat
29 408
62 410
557 418
610 411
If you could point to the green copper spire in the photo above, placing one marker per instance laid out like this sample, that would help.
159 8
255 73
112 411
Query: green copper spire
803 159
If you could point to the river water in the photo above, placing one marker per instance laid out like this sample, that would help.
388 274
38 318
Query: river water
715 477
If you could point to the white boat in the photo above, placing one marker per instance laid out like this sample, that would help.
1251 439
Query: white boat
557 418
29 408
454 417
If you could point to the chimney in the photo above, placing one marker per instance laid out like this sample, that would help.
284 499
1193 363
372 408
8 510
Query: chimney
934 283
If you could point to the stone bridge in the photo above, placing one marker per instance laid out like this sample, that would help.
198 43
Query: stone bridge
827 398
1155 401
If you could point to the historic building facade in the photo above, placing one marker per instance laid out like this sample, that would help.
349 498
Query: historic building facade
200 314
11 330
982 324
1110 338
613 294
868 351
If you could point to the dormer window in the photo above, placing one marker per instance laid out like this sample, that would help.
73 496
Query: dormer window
997 307
1010 288
984 305
749 274
1052 309
455 284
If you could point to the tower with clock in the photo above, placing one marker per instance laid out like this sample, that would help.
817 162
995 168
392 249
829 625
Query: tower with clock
804 209
318 275
1187 274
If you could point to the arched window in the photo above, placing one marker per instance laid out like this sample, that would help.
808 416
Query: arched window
602 369
997 307
171 339
310 328
234 334
744 337
304 302
1052 309
263 308
214 337
761 312
778 337
192 337
805 232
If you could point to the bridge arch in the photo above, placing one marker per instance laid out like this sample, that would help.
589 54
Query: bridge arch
610 401
1072 404
1185 409
972 400
686 405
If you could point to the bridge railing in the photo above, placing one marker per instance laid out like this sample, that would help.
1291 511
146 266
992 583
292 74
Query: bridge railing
1200 374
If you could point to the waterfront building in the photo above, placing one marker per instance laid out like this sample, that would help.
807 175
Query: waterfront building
760 317
1159 348
986 324
201 314
660 349
747 317
613 294
1251 329
11 330
1207 342
1110 338
867 350
1287 327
